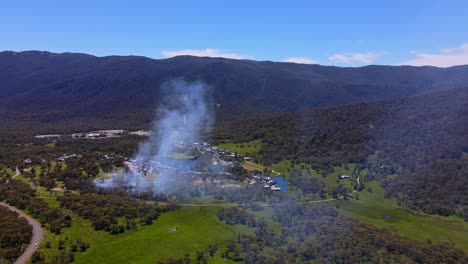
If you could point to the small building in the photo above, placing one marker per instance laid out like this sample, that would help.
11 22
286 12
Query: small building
266 178
275 188
65 156
247 159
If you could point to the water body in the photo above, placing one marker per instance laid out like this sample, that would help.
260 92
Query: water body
282 183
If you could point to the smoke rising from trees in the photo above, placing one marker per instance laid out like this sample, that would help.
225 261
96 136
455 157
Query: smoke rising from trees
183 112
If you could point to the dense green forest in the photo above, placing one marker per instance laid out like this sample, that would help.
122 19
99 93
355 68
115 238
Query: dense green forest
15 235
421 139
320 234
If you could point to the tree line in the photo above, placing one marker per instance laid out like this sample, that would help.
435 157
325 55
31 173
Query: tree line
105 210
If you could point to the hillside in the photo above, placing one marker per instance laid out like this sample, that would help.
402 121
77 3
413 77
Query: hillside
416 147
70 87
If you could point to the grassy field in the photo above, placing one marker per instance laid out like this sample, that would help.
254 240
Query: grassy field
181 156
332 179
282 167
372 208
252 166
242 149
197 228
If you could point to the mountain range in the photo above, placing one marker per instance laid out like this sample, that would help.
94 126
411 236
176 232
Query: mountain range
59 87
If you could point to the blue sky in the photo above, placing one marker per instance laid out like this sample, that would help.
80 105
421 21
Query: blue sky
344 33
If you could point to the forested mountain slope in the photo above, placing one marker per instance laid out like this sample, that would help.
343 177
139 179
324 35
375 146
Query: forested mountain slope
55 87
422 139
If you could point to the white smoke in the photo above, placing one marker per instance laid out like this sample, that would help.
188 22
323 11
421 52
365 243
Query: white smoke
182 114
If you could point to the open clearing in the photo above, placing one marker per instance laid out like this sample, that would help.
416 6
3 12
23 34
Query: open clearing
242 149
196 228
250 166
372 208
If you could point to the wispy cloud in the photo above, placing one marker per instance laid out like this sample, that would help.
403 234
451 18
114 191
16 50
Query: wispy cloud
354 58
204 53
445 58
301 60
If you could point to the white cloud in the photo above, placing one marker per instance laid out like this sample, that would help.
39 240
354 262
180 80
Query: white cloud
445 58
300 60
204 53
353 58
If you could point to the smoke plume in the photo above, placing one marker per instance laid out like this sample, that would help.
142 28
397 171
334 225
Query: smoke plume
164 161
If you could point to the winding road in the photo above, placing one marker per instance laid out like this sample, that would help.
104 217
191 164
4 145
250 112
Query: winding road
36 237
17 172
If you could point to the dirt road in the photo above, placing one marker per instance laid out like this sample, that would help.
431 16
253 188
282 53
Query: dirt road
264 204
17 172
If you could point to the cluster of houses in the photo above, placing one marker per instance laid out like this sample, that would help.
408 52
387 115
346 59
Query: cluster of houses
205 147
146 167
266 181
214 159
99 134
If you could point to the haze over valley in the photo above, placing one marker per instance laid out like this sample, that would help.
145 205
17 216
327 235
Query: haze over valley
121 146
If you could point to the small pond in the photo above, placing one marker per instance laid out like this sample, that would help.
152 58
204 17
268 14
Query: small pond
282 183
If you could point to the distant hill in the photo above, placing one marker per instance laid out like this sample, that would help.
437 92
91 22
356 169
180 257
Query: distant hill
51 87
